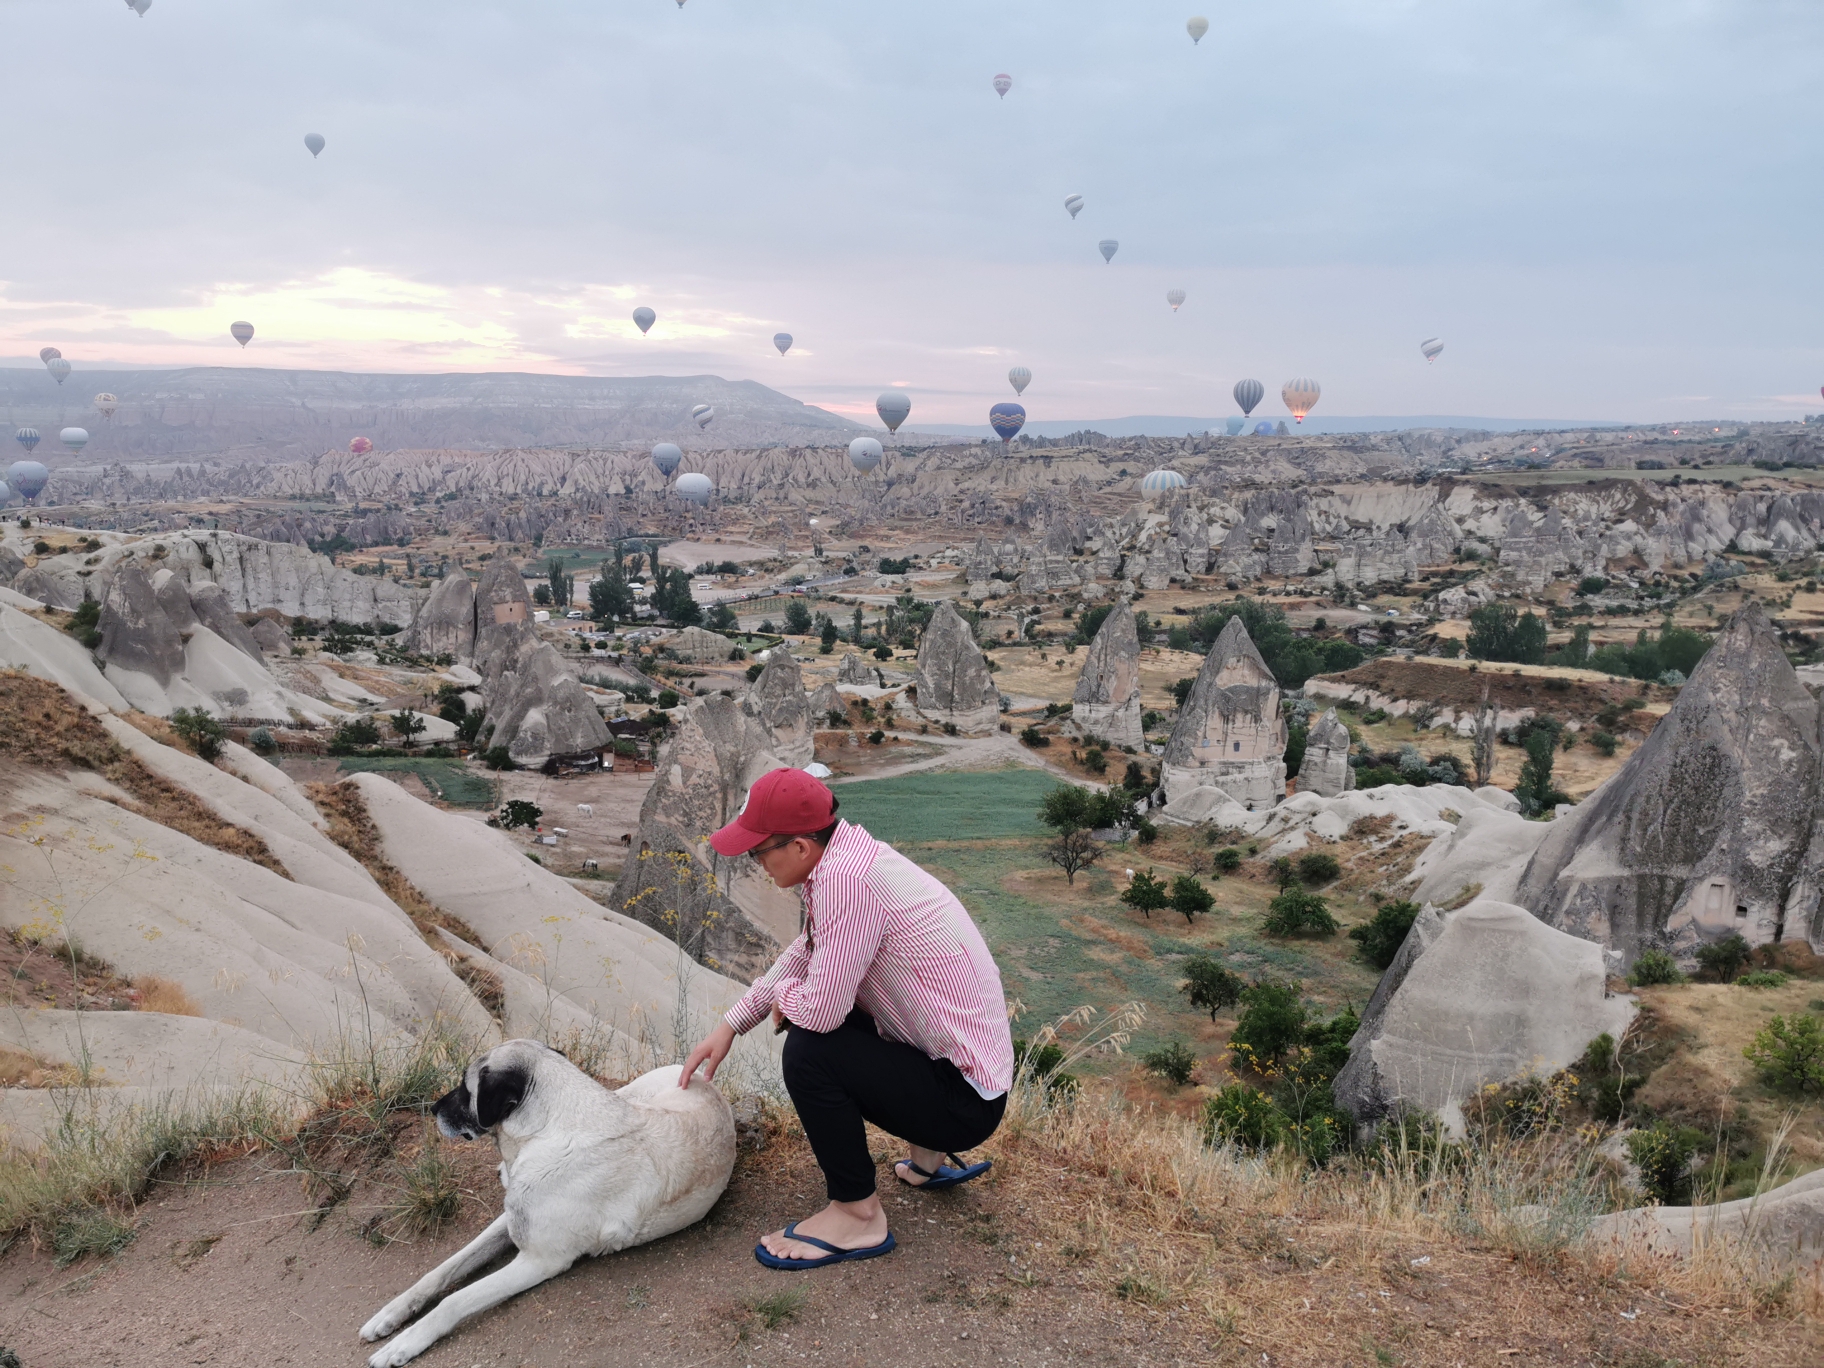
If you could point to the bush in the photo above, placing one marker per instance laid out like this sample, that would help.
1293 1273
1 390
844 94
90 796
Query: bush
1296 912
1243 1116
1763 978
1042 1064
261 739
1227 860
1209 986
1173 1062
358 732
496 758
1032 736
1788 1052
1382 937
203 733
1190 897
1655 966
519 812
1272 1022
1146 833
1146 894
668 698
83 623
1604 742
876 736
1663 1153
1095 761
1725 959
1318 867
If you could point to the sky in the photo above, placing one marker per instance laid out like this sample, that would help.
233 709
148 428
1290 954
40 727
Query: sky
1606 209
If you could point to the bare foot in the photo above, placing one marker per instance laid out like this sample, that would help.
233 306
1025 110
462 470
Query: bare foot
847 1225
928 1160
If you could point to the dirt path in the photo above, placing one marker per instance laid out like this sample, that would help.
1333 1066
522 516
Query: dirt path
969 752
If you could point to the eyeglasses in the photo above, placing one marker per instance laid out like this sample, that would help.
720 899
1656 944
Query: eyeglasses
758 851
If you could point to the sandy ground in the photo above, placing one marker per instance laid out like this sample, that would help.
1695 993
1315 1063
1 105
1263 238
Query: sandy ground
616 798
691 554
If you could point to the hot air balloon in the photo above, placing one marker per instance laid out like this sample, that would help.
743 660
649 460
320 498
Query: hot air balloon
1002 84
864 454
1007 420
59 369
139 7
314 141
696 488
893 406
1431 346
666 457
1264 429
783 341
241 332
105 404
48 354
1197 27
644 318
1249 393
26 437
1233 426
1300 397
360 446
1108 247
1161 482
704 414
28 478
74 438
1074 203
1019 377
1174 298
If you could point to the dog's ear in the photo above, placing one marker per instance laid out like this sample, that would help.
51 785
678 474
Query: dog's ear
499 1089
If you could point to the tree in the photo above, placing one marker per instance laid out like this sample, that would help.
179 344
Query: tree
1297 735
1381 937
671 596
797 617
1297 911
1190 897
1091 623
1173 1062
205 734
1072 852
563 586
518 812
406 724
828 635
855 627
1227 860
541 595
498 758
1725 959
1209 986
1068 807
1789 1053
1318 867
1146 894
1535 789
1272 1021
721 618
1499 631
359 731
610 598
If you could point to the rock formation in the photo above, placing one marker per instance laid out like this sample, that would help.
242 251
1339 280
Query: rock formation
700 647
1714 827
854 670
825 701
136 632
1481 995
778 700
210 605
954 684
1229 734
272 639
446 623
1107 699
536 706
1325 769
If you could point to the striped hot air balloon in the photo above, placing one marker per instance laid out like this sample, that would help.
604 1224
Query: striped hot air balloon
1248 393
783 341
704 414
1007 420
1431 346
360 446
27 437
241 332
1159 482
1019 377
1174 297
48 354
74 438
1074 203
59 369
1300 397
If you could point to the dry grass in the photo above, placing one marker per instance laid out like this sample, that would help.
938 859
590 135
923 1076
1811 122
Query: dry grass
21 1070
164 995
352 827
42 725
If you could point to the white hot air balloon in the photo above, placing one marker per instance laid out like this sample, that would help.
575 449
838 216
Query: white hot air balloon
696 488
705 414
1160 482
1019 377
241 332
1074 203
139 7
893 406
783 341
1197 26
314 141
1430 347
1174 298
74 438
48 354
1108 247
59 369
644 318
666 456
864 454
1002 84
1300 397
105 404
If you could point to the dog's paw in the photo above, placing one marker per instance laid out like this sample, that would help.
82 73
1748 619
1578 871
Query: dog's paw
389 1319
400 1351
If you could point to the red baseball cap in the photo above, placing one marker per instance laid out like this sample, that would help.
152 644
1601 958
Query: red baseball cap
784 802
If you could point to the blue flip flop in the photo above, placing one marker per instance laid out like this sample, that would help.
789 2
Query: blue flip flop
772 1260
945 1175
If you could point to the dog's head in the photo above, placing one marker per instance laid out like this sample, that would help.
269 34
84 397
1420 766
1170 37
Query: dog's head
492 1089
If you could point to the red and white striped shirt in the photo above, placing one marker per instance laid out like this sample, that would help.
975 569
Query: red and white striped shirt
884 935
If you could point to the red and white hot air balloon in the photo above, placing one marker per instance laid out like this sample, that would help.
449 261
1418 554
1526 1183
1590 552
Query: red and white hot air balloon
1002 84
360 447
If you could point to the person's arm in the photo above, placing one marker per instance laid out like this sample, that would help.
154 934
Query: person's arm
758 1003
851 924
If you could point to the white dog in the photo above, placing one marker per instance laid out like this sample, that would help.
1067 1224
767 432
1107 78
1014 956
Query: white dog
587 1171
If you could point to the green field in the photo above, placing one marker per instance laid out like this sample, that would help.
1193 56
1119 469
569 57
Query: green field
449 780
948 807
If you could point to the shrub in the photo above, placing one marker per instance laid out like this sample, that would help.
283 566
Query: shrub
1788 1052
876 736
1655 966
357 732
1095 761
205 734
1243 1116
1209 986
497 758
1042 1064
1381 937
1032 736
1227 860
1146 894
1272 1022
1318 867
1190 897
1296 911
1604 742
1763 978
518 812
1146 833
1663 1153
1172 1062
83 623
1724 959
261 740
668 698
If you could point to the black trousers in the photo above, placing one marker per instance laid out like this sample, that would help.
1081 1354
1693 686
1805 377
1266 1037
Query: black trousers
844 1077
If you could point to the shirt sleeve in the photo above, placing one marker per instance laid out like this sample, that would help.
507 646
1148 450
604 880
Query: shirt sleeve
757 1003
849 931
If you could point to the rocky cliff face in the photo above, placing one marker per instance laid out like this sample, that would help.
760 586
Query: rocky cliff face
446 624
953 681
535 704
778 700
1710 828
1229 734
1107 698
136 632
1325 769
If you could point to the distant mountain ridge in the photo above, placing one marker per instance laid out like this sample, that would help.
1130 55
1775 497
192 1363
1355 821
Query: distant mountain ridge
1153 425
284 415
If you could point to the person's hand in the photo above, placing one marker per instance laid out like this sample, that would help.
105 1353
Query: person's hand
779 1022
711 1051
